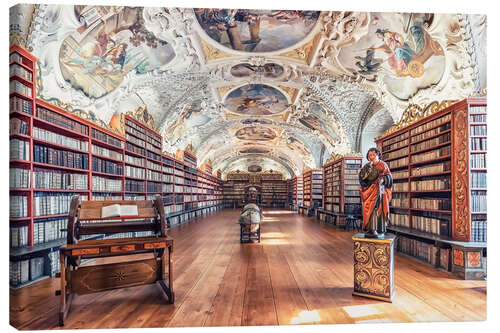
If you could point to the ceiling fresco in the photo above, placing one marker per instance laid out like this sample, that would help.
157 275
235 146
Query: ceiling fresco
278 90
256 30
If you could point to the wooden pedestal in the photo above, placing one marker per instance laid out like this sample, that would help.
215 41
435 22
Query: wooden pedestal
374 267
468 261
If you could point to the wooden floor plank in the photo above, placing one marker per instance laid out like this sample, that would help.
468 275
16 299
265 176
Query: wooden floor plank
302 272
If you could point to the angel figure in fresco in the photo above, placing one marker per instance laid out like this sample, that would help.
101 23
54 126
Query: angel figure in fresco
376 182
259 101
407 55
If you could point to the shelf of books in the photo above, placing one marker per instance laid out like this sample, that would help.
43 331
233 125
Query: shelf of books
289 194
297 192
312 191
273 190
341 186
234 189
438 164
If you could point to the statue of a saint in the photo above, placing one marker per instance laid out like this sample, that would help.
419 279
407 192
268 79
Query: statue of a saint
376 183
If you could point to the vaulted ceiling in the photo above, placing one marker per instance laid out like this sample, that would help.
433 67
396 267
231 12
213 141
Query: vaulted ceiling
280 90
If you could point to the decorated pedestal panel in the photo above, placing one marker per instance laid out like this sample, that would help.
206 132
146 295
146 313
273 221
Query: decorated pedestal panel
374 267
468 261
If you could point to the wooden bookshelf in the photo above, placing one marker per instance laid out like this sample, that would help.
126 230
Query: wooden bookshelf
312 189
297 191
438 165
341 185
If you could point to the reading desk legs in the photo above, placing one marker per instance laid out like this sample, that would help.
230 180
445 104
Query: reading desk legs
169 290
65 294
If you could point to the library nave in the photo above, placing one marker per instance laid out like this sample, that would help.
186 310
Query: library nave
301 272
238 167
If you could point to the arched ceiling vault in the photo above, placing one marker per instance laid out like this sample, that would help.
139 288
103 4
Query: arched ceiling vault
277 90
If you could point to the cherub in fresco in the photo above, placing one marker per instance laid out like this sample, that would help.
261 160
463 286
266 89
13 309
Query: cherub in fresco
255 102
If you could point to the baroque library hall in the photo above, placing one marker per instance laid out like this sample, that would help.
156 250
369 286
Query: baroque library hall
200 167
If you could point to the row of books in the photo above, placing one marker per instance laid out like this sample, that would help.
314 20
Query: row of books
134 172
154 187
62 121
130 125
431 169
428 125
431 203
173 209
98 150
18 126
433 132
19 150
431 142
101 165
400 187
397 138
478 130
398 163
478 161
135 160
154 166
16 86
155 176
18 205
59 180
19 178
18 236
430 225
15 69
399 174
478 231
134 185
430 155
352 200
477 118
478 144
156 150
401 220
105 196
23 271
135 149
101 136
48 230
400 200
478 179
62 140
396 145
135 141
396 153
106 184
65 158
424 251
52 203
20 105
478 201
431 184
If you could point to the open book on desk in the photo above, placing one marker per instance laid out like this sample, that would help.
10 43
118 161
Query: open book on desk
117 210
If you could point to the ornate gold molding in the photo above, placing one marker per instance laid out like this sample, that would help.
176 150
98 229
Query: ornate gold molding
414 113
291 92
303 52
190 149
333 158
212 53
142 115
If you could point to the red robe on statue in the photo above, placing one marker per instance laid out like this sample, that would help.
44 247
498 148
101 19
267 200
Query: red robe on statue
369 195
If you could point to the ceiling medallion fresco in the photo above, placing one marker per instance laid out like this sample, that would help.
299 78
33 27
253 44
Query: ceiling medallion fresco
254 168
401 52
112 42
269 70
255 133
256 30
256 100
254 150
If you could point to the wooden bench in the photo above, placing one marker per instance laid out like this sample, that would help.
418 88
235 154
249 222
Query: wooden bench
84 218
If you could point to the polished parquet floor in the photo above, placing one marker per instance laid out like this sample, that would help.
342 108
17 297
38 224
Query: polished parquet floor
302 272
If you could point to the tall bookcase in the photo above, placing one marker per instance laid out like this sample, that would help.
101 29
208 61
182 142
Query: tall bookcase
274 190
298 191
438 164
341 185
312 189
55 154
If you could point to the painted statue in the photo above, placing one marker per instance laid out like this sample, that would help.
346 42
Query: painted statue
376 183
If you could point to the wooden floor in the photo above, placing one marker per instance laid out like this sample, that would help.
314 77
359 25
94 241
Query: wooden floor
302 272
